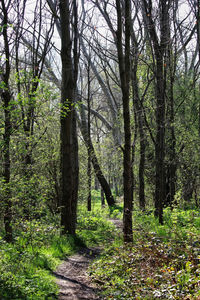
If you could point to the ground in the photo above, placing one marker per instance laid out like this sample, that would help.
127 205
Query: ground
72 278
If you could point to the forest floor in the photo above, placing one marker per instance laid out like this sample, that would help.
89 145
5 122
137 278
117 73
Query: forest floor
72 278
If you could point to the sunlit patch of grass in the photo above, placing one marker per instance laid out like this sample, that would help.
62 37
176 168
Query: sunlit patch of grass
94 228
26 265
162 263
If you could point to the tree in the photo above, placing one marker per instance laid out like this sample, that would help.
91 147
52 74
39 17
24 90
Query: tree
124 69
159 44
88 142
6 96
68 130
29 68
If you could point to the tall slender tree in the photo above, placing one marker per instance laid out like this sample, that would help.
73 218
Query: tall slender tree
159 44
123 9
6 96
68 132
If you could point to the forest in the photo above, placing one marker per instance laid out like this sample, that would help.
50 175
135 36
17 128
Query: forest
99 149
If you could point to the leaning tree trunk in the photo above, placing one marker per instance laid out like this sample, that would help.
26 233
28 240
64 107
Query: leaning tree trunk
98 172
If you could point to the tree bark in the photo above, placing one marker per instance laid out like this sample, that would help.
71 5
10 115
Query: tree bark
139 122
67 96
102 199
89 169
159 46
124 68
99 174
6 97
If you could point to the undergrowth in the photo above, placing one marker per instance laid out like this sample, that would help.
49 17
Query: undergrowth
94 228
27 265
162 263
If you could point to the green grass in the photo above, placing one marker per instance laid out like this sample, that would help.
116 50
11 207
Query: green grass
94 228
162 263
27 265
179 225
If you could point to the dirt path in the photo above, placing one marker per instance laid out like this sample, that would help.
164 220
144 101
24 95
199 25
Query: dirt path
72 278
71 275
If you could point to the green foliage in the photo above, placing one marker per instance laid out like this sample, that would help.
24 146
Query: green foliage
116 211
162 263
26 265
94 228
178 224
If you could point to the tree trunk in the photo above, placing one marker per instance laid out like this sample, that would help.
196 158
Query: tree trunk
75 167
89 199
124 68
102 199
159 44
172 150
142 201
88 142
89 169
6 97
67 139
160 141
139 122
6 170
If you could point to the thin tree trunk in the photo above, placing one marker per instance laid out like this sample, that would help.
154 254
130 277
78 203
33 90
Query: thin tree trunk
6 170
172 156
159 44
89 199
75 167
134 152
142 201
6 97
160 141
67 95
140 124
102 199
102 180
124 68
89 169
